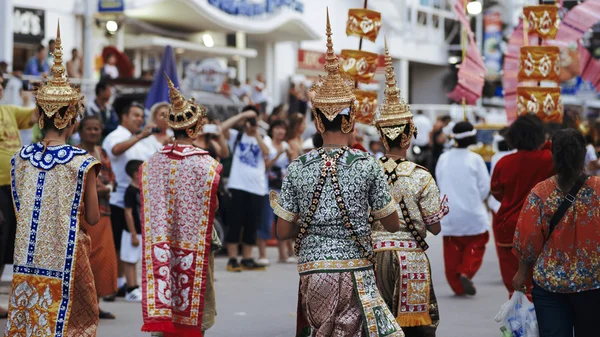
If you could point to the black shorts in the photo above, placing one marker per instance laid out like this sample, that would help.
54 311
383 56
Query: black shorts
8 225
243 217
117 220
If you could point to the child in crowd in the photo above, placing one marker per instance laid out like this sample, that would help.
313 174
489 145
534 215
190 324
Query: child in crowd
131 248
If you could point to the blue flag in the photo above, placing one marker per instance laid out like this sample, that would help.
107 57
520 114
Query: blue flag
159 91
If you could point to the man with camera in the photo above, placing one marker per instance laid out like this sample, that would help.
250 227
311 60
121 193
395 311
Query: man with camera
123 145
248 186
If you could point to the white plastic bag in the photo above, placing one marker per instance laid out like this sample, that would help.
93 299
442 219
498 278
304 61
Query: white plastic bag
517 317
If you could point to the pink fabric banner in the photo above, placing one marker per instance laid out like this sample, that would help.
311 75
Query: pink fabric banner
471 73
576 22
589 67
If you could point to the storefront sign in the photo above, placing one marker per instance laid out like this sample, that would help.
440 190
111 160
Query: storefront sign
28 25
255 8
111 6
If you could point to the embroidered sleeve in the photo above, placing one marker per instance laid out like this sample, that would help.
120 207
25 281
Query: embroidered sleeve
380 199
529 236
285 205
432 208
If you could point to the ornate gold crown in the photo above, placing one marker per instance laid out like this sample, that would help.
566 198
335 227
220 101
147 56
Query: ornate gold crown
394 114
184 115
333 92
58 93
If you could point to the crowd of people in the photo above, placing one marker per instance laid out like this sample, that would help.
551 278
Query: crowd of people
169 192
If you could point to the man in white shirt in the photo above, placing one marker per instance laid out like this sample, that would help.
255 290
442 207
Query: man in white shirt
248 186
122 145
463 176
259 93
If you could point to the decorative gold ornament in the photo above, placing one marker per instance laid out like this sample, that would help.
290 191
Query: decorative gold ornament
394 114
184 115
544 102
360 65
333 93
544 19
58 93
366 104
363 23
539 63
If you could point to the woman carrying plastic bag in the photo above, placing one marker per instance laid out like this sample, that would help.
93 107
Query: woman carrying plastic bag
518 317
559 234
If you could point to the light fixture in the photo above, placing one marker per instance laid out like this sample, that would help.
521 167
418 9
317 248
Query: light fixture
179 50
208 40
112 26
474 7
453 59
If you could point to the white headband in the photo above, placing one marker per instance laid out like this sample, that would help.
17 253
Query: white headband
464 135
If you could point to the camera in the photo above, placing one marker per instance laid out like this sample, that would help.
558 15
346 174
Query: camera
252 121
155 130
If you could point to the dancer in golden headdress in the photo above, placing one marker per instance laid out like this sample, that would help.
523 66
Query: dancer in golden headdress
179 200
408 292
324 204
54 186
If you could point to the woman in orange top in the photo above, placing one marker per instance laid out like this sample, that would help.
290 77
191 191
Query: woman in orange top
566 262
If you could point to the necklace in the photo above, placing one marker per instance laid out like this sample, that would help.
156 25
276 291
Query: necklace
395 156
334 145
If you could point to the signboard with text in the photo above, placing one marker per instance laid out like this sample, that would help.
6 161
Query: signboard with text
256 8
28 25
111 6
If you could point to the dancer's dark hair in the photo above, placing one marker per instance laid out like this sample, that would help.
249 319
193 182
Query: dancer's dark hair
526 133
568 153
462 127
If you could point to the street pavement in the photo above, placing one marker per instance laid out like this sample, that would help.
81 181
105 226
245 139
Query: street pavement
263 303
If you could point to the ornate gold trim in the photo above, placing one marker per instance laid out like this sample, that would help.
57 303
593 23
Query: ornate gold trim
280 211
385 211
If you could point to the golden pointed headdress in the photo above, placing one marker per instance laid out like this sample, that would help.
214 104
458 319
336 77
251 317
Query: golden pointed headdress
394 114
58 93
334 92
184 115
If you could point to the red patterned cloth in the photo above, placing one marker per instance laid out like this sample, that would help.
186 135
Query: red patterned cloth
179 200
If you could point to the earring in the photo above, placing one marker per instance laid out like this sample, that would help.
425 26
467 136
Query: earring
348 123
319 124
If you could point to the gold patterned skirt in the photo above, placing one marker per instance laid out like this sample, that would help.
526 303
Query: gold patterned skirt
404 280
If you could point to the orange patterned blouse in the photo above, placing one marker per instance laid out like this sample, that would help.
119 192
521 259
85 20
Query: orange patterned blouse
569 261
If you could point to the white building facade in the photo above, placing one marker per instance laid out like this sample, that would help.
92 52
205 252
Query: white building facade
280 39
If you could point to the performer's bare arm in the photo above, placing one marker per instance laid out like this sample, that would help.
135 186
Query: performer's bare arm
391 223
435 229
288 230
92 212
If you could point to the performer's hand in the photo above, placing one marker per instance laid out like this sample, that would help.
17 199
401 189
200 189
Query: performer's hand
519 281
135 241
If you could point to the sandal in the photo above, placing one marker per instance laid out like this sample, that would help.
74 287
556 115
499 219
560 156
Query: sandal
106 315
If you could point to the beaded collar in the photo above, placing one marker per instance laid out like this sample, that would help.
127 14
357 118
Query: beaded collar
389 166
48 157
329 168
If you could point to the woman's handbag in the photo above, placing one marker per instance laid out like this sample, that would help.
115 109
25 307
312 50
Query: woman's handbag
567 202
